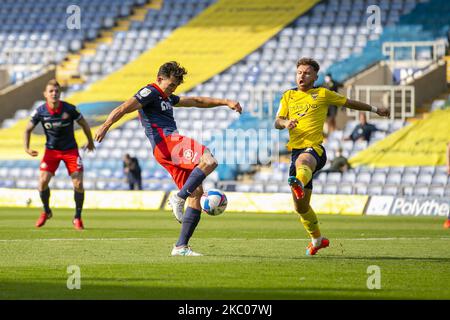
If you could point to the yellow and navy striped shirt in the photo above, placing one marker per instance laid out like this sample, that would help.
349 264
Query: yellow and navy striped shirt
310 109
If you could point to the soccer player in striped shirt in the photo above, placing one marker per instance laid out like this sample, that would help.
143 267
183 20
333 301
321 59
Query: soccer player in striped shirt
303 112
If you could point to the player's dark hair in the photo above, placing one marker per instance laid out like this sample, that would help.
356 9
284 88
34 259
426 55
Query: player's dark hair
172 69
309 62
53 82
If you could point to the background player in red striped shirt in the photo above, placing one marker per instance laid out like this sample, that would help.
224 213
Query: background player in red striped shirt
57 119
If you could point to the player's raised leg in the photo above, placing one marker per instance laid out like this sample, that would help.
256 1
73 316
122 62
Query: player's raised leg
77 181
207 165
305 164
191 219
44 193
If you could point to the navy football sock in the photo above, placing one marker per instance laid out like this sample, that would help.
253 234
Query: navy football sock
193 181
79 200
45 197
190 221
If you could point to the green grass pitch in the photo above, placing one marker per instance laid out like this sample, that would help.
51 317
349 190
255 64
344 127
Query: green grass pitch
126 255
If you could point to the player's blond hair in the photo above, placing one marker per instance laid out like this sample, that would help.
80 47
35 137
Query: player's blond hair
53 82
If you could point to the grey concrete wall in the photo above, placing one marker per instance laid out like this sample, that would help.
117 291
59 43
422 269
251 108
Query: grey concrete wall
430 85
4 78
23 96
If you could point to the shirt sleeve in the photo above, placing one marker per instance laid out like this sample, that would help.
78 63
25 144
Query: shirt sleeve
35 117
334 98
75 113
283 110
145 96
175 99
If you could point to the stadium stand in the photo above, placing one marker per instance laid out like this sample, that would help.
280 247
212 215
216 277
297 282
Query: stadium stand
141 36
427 21
34 34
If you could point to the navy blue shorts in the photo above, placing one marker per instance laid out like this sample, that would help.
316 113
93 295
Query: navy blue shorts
321 161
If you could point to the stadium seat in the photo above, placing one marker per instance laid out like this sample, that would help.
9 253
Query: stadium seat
421 191
436 192
390 191
424 179
330 189
398 170
349 177
447 192
412 170
441 170
409 179
408 191
394 178
378 178
361 189
345 189
334 177
284 188
440 179
364 177
243 187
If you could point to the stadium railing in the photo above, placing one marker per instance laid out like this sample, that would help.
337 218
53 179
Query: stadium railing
400 99
414 53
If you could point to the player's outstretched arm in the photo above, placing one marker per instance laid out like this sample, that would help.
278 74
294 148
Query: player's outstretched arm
87 131
284 123
128 106
361 106
27 137
206 102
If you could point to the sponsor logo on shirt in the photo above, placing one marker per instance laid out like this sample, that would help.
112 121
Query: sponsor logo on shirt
144 92
188 154
165 106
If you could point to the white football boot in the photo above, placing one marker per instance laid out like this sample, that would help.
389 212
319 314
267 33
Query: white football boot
177 205
184 251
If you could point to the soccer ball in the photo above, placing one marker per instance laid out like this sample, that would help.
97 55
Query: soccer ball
214 202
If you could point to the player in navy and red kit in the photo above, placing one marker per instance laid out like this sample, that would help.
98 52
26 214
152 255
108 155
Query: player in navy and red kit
185 159
57 119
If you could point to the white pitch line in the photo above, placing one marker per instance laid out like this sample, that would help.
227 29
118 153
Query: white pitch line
231 239
73 239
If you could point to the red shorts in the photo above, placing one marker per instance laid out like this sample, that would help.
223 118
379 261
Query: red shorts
179 155
71 158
